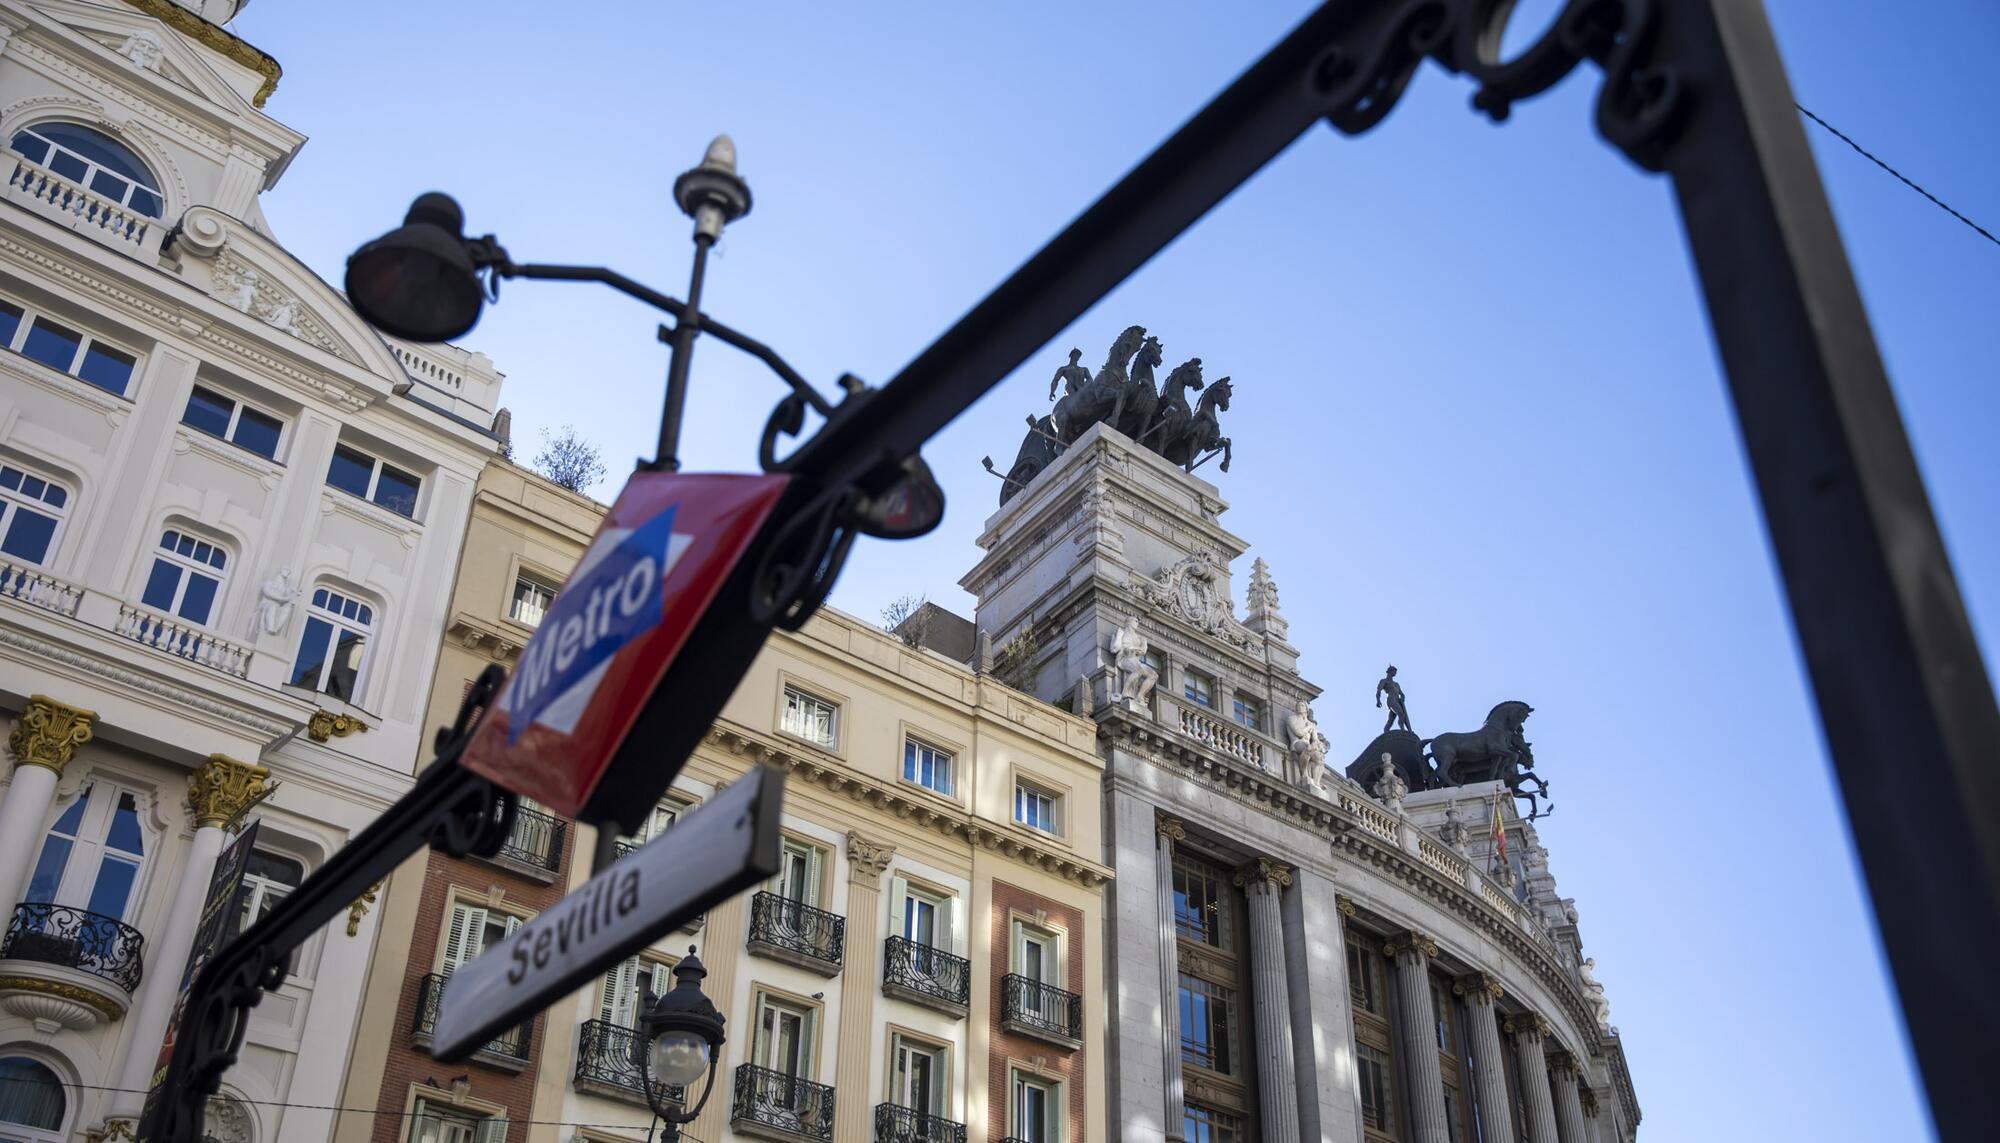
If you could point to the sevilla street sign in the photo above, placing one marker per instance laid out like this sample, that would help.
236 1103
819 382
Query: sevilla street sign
713 852
663 551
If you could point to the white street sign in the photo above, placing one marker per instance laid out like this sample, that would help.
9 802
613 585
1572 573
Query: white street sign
712 853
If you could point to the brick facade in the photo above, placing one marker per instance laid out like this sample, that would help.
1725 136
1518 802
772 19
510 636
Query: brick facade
1049 1059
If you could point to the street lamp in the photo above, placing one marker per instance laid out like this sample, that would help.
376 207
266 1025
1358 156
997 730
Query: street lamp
679 1038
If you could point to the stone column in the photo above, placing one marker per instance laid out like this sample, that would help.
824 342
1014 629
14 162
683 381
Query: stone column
1170 830
1263 882
1528 1031
1489 1071
1569 1108
866 860
46 735
218 792
1416 1028
1592 1129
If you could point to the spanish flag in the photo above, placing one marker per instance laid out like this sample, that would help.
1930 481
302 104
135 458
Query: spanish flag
1499 834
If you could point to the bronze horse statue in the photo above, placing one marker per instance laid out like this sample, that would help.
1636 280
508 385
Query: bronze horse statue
1140 399
1204 431
1170 420
1495 752
1099 398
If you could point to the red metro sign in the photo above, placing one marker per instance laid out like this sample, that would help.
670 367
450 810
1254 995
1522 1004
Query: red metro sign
655 565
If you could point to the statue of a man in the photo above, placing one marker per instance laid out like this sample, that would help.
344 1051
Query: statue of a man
1389 785
1393 690
1594 990
1137 676
1309 746
1069 376
274 608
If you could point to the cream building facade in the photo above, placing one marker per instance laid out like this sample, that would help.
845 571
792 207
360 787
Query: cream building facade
229 514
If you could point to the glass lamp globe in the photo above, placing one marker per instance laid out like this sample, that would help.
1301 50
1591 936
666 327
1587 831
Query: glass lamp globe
679 1058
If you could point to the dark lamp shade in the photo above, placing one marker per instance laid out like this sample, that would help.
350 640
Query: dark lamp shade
418 282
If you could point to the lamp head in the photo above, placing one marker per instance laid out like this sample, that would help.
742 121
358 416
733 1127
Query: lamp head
419 281
713 194
684 1027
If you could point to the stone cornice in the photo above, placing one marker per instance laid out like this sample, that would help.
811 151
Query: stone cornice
104 669
224 43
839 778
1613 1050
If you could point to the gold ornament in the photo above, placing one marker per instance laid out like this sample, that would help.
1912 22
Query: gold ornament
112 1129
201 31
64 991
359 909
1344 905
324 724
47 733
222 790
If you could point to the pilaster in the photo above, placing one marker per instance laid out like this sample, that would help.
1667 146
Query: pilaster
1169 831
1138 1096
725 925
866 859
1263 882
1322 1016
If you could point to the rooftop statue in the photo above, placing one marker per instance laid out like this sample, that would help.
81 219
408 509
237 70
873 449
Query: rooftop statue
1497 751
1393 690
1038 449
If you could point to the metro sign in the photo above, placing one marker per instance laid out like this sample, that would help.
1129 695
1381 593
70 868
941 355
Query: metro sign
664 550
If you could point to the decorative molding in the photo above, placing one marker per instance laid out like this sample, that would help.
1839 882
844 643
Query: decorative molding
324 724
63 990
209 35
1170 827
47 733
1478 984
1190 590
1588 1098
1410 941
105 670
113 1129
1344 905
1204 961
1263 871
222 790
359 908
1562 1062
835 776
867 859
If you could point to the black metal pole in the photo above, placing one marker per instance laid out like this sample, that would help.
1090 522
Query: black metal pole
667 457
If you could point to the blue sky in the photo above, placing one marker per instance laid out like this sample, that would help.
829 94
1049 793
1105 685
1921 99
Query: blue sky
1479 427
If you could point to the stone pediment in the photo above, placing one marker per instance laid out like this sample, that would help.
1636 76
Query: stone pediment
144 38
1191 590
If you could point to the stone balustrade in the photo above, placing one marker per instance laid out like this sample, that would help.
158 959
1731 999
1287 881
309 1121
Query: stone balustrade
182 639
32 585
48 193
1218 735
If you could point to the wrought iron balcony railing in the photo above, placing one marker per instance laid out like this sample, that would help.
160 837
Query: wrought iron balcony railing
798 933
926 975
607 1062
1040 1009
510 1046
76 938
536 839
772 1102
895 1124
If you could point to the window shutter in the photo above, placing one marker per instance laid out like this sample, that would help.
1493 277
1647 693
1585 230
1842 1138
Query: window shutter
512 924
954 918
813 878
467 922
899 907
490 1131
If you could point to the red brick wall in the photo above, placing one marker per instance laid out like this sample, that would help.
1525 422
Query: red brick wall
406 1065
1065 1064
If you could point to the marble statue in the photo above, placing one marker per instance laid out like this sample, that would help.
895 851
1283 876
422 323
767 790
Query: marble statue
1454 832
1308 745
274 607
1594 990
1390 787
1137 677
1393 690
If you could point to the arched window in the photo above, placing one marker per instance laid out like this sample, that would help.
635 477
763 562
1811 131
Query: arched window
32 1103
31 509
334 646
93 855
186 578
93 160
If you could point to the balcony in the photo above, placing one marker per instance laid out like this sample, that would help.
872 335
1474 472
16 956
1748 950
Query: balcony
33 586
902 1125
1032 1008
69 966
54 197
797 933
607 1063
507 1051
927 976
773 1105
534 844
183 640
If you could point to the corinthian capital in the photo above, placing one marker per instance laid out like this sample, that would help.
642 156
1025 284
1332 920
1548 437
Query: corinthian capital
1412 941
1476 984
1562 1065
866 859
1169 826
47 733
1265 871
1528 1026
223 789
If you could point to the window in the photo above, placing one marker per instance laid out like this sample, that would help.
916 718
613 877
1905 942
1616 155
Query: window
474 929
665 813
331 650
1378 1089
1364 977
233 421
1202 900
1208 1125
1037 955
531 601
186 578
30 511
799 868
1208 1025
624 995
926 917
92 160
374 479
918 1079
268 879
1249 712
782 1040
32 1103
443 1123
927 766
65 350
1034 1111
812 719
1198 688
1036 808
93 854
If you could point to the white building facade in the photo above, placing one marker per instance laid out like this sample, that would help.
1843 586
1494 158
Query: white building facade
230 514
1293 956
